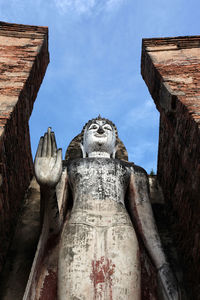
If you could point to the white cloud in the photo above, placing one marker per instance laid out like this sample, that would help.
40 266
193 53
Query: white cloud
78 6
81 7
141 115
113 4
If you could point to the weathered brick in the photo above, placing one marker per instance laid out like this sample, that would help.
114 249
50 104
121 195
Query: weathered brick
23 61
171 70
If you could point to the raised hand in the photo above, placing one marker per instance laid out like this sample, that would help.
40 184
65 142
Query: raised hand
168 283
48 161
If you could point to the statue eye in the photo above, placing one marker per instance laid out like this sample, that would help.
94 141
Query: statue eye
108 127
94 126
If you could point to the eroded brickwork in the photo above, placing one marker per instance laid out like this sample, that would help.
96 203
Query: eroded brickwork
23 61
171 70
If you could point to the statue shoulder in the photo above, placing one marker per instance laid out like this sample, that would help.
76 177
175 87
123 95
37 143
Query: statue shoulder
137 170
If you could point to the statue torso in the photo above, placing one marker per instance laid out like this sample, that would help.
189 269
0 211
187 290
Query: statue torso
93 261
97 180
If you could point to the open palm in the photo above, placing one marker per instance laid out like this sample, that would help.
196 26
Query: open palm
48 160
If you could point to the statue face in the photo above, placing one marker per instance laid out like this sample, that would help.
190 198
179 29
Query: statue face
99 137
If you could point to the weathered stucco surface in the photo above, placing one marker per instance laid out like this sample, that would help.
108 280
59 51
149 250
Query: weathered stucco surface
171 70
23 62
99 254
25 241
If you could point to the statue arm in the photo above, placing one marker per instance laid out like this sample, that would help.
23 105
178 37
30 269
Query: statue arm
54 191
141 213
48 172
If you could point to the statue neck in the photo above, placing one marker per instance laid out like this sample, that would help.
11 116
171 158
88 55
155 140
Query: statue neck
99 154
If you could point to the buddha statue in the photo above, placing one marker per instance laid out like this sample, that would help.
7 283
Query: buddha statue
91 204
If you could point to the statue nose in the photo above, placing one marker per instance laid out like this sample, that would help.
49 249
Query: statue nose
100 130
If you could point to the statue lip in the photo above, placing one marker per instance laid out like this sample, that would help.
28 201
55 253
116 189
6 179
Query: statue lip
100 135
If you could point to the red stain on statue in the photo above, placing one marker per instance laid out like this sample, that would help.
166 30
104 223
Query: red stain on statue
49 289
101 276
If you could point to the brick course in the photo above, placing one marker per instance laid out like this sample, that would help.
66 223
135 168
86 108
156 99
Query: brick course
23 62
171 70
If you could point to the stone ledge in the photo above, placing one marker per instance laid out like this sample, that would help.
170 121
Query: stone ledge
168 43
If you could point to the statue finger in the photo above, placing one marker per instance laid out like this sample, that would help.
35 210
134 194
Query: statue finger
44 146
39 149
59 156
53 143
58 164
49 142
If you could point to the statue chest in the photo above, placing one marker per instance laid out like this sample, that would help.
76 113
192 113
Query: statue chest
98 179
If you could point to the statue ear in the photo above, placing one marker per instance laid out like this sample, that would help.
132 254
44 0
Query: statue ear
114 151
83 150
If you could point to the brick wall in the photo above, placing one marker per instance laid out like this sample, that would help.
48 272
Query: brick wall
171 70
23 61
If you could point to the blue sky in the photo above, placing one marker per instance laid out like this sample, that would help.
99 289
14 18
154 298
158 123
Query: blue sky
95 52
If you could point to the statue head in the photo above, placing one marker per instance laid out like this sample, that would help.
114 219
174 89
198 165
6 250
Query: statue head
99 138
98 135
